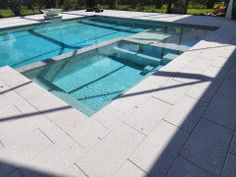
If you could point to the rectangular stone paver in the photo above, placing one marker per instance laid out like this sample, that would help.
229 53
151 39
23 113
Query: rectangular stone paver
229 169
3 101
233 145
88 133
29 144
134 97
184 168
207 146
222 110
18 125
108 117
19 102
215 74
232 72
188 75
170 70
8 112
53 132
222 62
228 88
200 64
57 160
105 158
43 104
15 173
67 118
171 91
128 169
24 148
13 78
186 113
145 118
160 149
203 90
29 90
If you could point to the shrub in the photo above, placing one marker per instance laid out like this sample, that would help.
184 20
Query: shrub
15 5
68 4
91 3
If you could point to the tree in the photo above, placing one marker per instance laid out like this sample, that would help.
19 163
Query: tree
133 3
158 3
50 3
210 4
15 5
91 3
177 6
68 4
32 3
169 4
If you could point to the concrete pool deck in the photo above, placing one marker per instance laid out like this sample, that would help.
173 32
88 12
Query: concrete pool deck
179 122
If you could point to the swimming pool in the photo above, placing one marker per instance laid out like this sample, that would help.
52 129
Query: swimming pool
25 45
91 80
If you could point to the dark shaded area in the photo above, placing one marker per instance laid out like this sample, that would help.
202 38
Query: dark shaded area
157 166
21 171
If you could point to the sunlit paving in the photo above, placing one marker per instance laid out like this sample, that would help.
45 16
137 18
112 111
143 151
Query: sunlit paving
117 88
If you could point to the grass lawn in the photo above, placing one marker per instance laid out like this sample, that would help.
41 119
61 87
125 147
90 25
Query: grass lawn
192 11
199 11
24 11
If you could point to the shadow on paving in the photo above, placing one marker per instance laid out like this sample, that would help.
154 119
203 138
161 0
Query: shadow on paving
21 171
205 151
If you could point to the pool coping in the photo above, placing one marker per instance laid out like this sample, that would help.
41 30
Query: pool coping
42 22
89 48
66 55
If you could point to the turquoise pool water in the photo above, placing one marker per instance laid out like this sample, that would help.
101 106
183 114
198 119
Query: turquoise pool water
91 80
94 82
22 46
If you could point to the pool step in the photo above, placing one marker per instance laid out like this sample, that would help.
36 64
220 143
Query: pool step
150 36
109 25
168 58
147 69
135 57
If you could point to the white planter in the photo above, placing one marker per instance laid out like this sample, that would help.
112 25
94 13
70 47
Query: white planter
51 12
